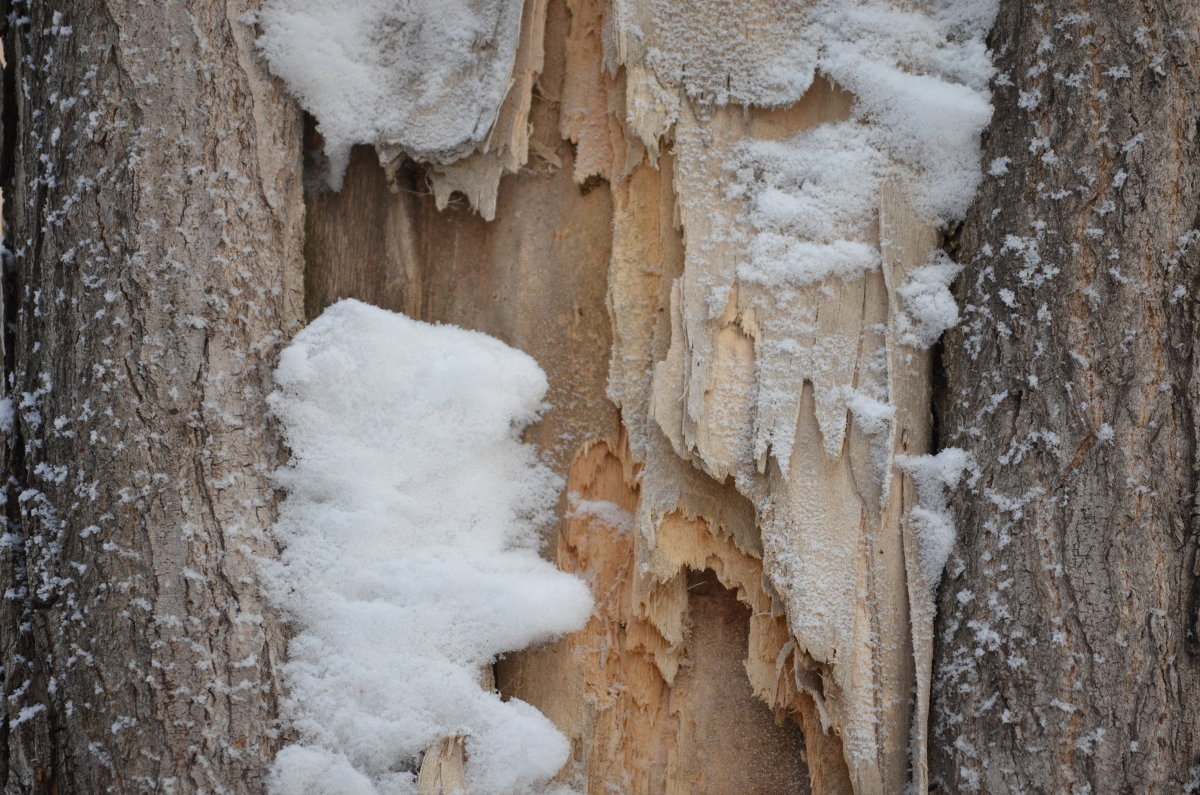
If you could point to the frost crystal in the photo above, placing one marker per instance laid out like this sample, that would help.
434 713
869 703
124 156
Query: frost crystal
929 307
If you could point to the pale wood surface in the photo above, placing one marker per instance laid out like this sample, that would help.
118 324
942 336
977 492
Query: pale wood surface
592 278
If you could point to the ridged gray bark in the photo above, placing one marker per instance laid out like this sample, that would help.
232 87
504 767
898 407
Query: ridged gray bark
154 219
1067 649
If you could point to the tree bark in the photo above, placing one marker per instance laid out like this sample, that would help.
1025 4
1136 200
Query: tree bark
154 218
763 619
1067 656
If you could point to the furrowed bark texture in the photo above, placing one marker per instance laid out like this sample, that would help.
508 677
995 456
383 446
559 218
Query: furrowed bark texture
1067 656
154 213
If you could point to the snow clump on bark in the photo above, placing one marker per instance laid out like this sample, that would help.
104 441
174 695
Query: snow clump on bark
410 536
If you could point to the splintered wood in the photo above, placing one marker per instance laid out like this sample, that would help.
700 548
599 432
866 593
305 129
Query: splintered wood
442 769
763 621
752 393
655 686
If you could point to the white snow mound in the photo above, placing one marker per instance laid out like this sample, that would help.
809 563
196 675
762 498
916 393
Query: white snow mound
410 533
427 76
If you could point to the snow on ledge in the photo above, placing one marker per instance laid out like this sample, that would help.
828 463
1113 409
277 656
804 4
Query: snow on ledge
410 537
427 76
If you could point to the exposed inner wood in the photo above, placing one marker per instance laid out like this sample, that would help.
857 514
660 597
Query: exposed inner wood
599 263
442 771
671 661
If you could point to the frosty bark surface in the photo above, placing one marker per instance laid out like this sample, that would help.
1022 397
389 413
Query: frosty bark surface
156 219
1067 640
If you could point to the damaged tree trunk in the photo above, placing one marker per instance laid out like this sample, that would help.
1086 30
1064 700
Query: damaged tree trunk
744 444
153 213
1067 647
764 617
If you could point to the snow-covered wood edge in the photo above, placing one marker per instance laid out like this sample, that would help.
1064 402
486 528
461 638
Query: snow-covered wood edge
817 503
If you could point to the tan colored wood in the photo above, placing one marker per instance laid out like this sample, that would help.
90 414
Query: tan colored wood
666 704
443 769
604 284
366 224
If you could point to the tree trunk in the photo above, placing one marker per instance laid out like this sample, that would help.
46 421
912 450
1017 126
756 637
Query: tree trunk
154 217
765 604
1067 647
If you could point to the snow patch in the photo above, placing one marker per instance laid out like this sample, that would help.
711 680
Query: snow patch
427 76
605 512
873 416
919 80
410 533
7 416
929 306
934 476
810 202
